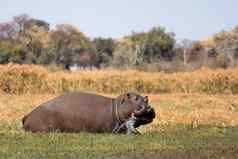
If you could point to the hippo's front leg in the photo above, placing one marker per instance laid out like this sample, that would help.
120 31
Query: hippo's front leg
130 125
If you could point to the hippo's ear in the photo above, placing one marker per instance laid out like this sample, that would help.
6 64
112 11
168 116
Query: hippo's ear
125 97
122 100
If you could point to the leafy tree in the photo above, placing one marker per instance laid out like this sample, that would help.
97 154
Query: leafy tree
72 46
125 54
154 45
4 57
226 42
104 50
34 37
25 39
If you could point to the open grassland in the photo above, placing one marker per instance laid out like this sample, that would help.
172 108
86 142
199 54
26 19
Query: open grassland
20 79
188 126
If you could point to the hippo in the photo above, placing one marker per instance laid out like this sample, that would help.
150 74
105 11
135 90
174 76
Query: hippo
87 112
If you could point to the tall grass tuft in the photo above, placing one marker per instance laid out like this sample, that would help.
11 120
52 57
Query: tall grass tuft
18 79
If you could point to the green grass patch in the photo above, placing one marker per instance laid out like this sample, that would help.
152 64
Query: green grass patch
175 141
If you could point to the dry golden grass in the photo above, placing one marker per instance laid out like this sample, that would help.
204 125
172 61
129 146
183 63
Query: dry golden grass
196 109
172 109
20 79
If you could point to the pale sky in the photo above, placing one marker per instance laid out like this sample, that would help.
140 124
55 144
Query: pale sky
192 19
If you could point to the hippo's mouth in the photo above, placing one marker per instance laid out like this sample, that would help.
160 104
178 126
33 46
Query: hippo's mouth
130 125
142 109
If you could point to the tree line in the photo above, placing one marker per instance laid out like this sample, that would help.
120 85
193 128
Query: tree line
26 40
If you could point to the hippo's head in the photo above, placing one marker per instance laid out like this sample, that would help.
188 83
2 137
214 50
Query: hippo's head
132 103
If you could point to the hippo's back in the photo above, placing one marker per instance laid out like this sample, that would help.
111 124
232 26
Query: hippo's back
75 101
